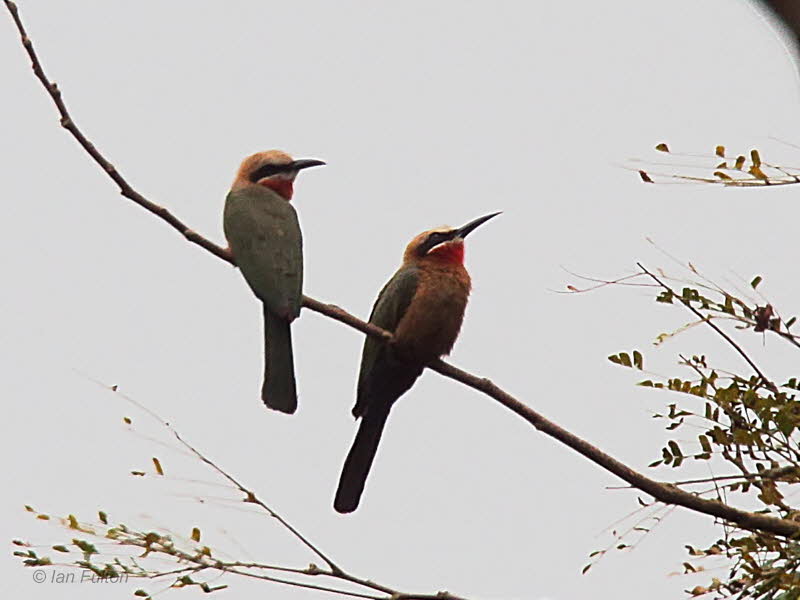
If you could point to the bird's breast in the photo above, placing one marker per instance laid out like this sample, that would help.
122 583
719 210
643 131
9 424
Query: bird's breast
433 320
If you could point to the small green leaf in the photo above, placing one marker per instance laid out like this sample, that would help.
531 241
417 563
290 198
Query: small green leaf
674 448
728 307
665 296
85 546
757 173
623 358
755 282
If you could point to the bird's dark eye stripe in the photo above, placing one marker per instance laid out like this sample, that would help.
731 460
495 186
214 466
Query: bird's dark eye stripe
432 240
266 171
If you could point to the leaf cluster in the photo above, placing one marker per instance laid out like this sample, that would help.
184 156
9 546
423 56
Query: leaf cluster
748 427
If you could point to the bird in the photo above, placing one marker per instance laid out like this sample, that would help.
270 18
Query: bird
422 305
264 237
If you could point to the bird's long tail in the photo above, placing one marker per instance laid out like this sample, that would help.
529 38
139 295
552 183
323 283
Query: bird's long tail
359 460
279 390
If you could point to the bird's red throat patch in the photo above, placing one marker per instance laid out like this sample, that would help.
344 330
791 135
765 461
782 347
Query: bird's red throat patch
449 252
279 185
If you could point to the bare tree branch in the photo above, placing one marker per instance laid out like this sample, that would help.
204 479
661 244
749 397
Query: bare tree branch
126 190
663 492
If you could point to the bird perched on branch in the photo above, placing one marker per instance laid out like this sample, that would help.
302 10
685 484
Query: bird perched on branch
423 306
264 237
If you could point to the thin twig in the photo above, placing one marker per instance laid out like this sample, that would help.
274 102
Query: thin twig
310 586
772 387
661 491
774 474
250 496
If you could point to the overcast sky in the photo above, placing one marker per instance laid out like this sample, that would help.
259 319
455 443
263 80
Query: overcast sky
427 114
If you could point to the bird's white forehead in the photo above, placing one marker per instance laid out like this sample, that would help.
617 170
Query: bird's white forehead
442 229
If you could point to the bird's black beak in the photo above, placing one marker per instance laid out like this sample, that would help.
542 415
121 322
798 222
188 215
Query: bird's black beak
465 230
303 163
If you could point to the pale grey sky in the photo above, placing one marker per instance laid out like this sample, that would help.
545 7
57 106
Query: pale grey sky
427 113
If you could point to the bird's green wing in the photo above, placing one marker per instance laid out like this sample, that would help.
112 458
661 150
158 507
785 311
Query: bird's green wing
265 238
392 303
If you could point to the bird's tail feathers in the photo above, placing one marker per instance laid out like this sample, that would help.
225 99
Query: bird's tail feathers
279 391
359 460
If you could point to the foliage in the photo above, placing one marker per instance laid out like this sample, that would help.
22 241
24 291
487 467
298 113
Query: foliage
732 171
121 552
743 421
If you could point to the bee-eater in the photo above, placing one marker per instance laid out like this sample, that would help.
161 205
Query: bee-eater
264 237
423 306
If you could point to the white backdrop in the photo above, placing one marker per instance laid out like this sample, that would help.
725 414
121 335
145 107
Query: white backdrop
426 114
